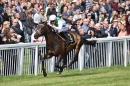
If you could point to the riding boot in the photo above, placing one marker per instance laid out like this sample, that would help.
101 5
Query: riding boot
67 38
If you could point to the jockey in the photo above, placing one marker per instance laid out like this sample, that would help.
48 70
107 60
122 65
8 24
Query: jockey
59 26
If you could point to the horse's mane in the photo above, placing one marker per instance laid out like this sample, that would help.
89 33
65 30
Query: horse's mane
45 24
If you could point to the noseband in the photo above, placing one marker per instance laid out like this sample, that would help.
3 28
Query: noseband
38 31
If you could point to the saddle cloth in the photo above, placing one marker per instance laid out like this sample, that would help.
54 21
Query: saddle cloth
67 36
71 37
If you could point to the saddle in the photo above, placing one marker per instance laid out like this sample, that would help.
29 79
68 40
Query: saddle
69 38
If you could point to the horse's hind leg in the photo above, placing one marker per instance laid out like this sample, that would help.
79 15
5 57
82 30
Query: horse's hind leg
75 58
64 64
58 61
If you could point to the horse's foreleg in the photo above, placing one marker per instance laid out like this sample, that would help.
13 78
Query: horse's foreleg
43 69
75 58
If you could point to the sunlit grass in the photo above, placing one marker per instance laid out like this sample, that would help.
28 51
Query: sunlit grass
113 76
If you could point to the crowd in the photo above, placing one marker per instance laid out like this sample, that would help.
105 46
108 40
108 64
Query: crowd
104 18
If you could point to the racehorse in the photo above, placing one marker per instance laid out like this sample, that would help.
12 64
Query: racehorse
56 46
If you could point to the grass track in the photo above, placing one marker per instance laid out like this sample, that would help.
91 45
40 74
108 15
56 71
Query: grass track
113 76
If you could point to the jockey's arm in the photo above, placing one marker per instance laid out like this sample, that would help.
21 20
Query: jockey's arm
59 27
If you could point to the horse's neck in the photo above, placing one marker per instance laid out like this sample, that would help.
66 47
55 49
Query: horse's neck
51 38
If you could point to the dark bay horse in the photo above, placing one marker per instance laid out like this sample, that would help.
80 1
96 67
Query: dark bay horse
56 46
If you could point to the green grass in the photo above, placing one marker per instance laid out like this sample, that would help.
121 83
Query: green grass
113 76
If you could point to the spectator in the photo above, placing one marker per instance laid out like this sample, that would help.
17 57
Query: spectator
35 8
1 7
43 18
89 16
114 16
78 6
78 22
52 10
108 8
17 6
65 13
94 13
69 20
98 33
88 4
86 12
123 18
23 15
14 10
29 25
91 28
38 17
85 25
77 15
106 30
115 5
70 10
127 4
16 27
64 3
122 31
1 19
114 28
128 22
5 14
48 6
83 16
6 24
60 5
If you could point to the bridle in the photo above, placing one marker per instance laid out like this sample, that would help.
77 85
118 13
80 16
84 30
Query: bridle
53 44
38 31
42 32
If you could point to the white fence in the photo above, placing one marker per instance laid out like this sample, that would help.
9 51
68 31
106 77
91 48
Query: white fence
24 58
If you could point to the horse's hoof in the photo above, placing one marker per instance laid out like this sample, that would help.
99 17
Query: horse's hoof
58 73
44 73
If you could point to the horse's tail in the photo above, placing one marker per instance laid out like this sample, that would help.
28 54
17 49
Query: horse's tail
92 42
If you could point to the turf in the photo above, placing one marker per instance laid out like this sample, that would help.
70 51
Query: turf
113 76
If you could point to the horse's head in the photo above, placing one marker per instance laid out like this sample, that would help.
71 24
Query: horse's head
42 29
